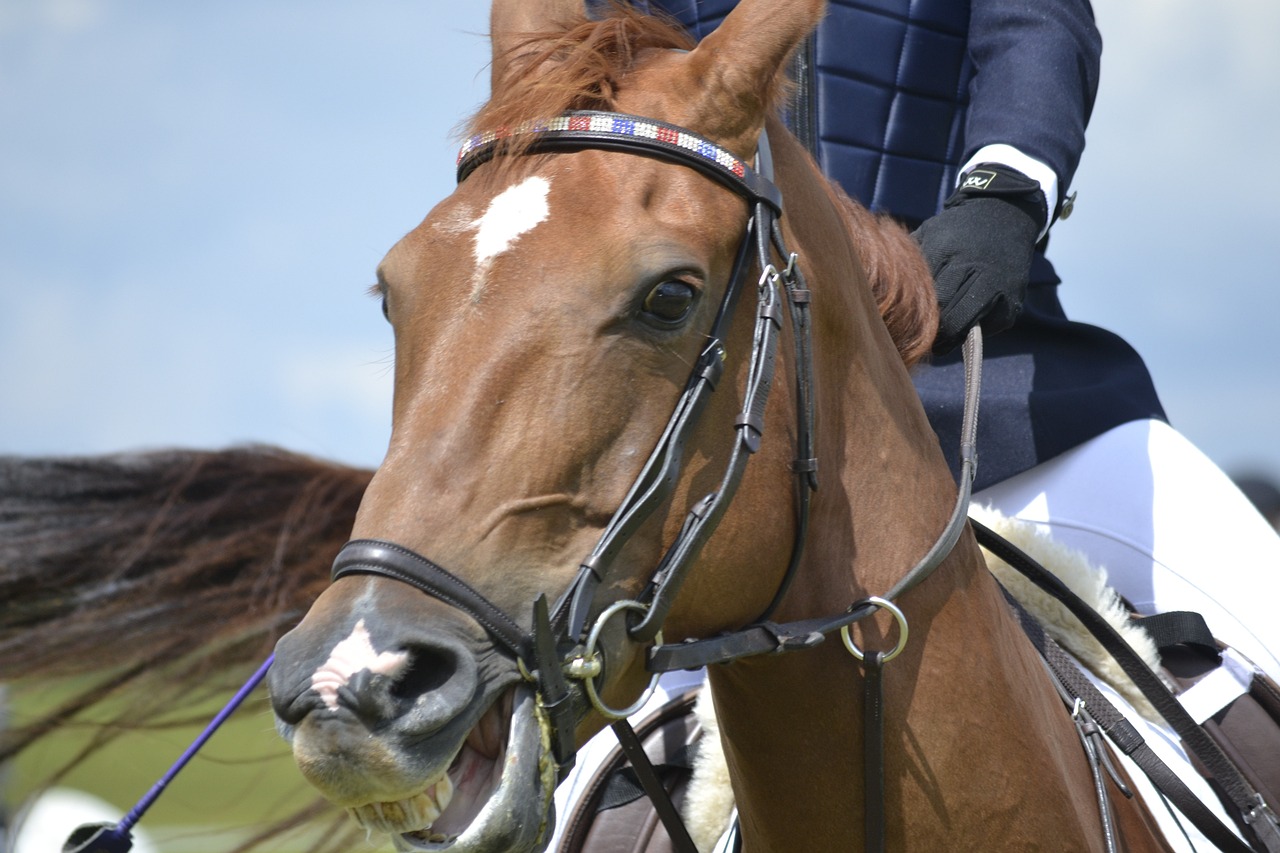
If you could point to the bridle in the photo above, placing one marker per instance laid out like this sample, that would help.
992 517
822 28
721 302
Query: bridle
562 644
559 645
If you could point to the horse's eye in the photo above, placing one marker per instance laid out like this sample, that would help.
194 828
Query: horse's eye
669 302
381 292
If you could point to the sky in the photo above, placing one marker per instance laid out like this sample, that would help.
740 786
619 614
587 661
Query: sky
194 197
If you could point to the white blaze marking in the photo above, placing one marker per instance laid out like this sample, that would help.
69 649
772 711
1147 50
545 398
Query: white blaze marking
350 656
514 211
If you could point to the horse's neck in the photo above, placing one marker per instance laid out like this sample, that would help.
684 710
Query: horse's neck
979 751
970 715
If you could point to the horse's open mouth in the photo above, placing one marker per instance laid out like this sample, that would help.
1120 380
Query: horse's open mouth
495 796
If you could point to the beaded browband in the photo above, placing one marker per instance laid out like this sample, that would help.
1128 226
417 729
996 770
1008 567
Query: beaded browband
635 135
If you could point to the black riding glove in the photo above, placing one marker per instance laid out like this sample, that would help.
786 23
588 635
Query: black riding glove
979 250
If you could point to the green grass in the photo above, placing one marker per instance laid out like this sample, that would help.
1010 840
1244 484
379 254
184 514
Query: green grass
242 780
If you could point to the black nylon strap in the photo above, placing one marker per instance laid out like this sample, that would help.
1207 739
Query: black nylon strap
378 557
1180 628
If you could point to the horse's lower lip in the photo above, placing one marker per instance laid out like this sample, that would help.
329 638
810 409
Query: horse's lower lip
516 816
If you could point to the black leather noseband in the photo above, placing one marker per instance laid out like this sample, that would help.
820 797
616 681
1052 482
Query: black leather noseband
379 557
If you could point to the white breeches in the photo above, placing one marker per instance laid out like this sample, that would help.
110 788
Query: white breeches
1170 528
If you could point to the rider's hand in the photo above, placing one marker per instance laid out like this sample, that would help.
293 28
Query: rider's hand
979 249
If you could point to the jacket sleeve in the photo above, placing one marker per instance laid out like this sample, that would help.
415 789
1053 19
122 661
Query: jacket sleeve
1035 79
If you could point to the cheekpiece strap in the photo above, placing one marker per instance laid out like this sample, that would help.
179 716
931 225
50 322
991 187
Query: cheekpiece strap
621 132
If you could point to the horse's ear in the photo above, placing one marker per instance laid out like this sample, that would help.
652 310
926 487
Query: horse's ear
740 64
513 21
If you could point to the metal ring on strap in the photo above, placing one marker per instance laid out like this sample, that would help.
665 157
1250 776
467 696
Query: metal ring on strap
884 604
586 667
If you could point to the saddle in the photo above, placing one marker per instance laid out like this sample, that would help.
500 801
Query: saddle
1236 705
614 815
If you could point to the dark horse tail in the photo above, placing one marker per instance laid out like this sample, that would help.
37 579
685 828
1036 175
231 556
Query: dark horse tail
165 577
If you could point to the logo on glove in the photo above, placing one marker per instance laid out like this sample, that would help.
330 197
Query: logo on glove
978 179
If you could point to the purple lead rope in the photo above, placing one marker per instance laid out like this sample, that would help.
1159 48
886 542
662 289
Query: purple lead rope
109 839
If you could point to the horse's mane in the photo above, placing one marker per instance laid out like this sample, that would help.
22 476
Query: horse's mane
900 278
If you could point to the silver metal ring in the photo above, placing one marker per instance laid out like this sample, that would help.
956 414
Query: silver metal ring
591 661
883 604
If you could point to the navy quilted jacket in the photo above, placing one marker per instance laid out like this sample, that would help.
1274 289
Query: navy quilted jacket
902 93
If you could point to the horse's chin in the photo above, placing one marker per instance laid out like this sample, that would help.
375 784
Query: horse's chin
496 796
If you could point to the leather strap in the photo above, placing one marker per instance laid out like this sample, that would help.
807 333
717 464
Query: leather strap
592 129
378 557
1241 795
873 753
653 787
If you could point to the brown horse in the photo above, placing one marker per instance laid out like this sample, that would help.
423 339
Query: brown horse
547 315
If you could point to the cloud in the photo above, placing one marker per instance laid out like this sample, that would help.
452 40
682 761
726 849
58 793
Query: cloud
1170 242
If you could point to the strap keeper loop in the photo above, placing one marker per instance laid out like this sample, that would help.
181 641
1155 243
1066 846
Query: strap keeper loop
804 466
754 429
592 564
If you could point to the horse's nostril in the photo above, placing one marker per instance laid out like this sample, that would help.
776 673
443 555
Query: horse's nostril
428 670
402 698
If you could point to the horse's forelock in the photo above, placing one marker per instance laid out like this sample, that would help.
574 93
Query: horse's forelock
576 67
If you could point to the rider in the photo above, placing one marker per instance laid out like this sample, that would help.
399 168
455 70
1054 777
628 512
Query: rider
966 121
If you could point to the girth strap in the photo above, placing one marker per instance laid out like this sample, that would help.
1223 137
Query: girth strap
1128 740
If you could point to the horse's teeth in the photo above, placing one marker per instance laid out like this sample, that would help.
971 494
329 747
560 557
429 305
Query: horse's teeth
407 815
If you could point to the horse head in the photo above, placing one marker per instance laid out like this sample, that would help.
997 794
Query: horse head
548 316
